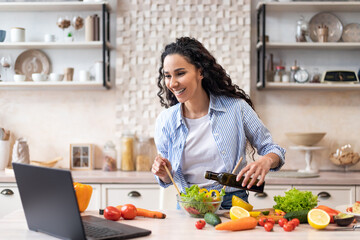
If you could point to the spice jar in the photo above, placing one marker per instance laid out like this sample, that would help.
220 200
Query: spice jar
280 71
143 154
109 159
127 152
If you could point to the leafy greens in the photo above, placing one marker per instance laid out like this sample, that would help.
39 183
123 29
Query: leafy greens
295 200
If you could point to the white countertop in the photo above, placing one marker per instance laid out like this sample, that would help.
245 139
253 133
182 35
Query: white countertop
177 225
99 176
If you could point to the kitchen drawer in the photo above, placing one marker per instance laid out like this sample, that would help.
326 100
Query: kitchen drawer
95 201
331 196
9 198
266 199
141 195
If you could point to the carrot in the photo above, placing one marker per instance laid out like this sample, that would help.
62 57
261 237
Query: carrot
244 223
332 212
150 214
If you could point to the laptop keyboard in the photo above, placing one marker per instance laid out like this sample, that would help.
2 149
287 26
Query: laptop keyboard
92 230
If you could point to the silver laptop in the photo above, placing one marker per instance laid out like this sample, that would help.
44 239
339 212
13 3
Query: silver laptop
50 206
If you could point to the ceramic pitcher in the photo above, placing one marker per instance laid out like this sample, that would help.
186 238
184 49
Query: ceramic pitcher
21 151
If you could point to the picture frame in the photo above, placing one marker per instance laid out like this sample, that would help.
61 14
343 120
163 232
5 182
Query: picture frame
81 156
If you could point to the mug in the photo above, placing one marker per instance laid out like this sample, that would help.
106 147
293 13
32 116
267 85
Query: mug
39 77
56 77
19 77
98 67
84 76
17 34
49 38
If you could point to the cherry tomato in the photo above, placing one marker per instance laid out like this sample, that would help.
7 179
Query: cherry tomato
295 221
282 221
349 209
288 227
268 226
200 224
292 223
262 221
128 211
112 213
271 220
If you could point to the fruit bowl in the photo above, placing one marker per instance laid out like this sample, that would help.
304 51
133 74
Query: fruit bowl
305 138
198 209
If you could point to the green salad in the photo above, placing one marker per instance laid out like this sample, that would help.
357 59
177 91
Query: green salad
198 201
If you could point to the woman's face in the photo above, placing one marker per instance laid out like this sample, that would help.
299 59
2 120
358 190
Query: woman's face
182 78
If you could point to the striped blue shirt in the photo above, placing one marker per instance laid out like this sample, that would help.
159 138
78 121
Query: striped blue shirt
232 120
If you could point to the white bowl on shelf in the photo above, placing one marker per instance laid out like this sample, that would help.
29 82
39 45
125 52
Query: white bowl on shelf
305 138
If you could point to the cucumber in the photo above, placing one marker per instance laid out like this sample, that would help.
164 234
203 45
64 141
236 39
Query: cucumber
301 215
212 219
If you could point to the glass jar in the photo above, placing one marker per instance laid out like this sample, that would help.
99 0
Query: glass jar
302 29
293 70
143 154
109 158
280 71
127 152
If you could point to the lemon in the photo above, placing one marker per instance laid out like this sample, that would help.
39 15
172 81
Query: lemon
236 201
255 214
318 218
238 212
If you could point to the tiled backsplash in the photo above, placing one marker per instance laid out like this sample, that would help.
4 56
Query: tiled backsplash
143 30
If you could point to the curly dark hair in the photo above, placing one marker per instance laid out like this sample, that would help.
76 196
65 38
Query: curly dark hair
215 79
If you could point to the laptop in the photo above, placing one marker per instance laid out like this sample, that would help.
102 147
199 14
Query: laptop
50 206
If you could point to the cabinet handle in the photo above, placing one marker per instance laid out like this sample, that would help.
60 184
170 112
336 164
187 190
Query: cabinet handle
7 192
324 195
261 195
134 194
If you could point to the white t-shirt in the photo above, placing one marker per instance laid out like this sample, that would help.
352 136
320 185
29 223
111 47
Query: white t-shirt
200 152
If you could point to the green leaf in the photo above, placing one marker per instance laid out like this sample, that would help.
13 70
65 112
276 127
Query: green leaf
295 200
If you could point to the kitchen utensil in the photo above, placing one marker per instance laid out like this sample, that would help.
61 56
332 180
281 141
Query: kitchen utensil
235 169
56 77
172 180
322 33
19 77
308 156
351 33
335 27
335 228
69 73
39 77
32 61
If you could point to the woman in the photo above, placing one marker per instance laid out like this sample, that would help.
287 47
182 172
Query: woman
207 123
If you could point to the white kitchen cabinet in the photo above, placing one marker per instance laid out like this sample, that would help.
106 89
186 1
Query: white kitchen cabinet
141 195
95 201
331 196
266 199
357 193
38 19
9 198
277 20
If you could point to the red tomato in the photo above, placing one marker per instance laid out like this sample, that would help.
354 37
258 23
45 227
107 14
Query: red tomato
128 211
262 221
200 224
268 226
282 221
295 221
288 227
271 220
112 213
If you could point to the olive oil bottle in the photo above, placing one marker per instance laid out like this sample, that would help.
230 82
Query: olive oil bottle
229 179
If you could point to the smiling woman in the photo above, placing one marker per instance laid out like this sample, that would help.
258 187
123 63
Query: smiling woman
207 124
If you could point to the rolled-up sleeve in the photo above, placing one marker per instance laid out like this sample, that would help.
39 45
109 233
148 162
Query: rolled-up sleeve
259 136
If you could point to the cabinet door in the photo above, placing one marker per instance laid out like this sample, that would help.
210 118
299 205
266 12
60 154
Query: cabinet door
266 199
95 201
357 195
141 195
331 196
9 198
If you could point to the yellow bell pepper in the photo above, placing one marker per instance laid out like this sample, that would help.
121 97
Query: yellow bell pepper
83 194
203 190
216 196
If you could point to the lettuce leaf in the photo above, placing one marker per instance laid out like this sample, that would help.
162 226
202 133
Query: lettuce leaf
295 200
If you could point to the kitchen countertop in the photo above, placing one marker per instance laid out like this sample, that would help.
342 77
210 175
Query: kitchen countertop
99 176
177 225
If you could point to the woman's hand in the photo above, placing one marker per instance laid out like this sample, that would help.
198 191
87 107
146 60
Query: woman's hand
258 168
159 170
